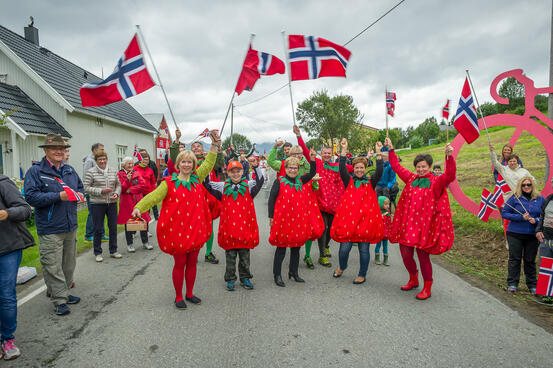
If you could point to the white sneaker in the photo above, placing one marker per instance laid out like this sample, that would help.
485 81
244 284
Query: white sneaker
149 234
99 258
116 255
147 246
130 248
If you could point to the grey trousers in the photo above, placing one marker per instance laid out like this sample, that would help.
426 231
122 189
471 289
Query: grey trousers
57 256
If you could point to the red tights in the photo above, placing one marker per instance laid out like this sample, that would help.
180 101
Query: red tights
408 255
182 261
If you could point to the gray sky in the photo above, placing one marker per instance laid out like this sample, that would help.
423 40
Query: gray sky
420 51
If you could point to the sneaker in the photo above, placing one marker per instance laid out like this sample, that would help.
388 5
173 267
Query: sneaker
149 234
10 350
512 288
323 261
88 240
230 286
99 258
105 238
211 258
73 299
309 262
147 246
130 248
246 284
116 255
62 309
327 253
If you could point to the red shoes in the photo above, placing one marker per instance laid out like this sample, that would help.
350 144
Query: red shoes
413 282
425 293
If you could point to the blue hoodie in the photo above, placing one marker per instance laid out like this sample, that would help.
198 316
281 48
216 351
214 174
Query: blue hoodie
388 178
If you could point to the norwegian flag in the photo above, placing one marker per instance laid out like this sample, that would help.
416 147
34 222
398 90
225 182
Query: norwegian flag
502 184
129 78
204 133
545 277
137 154
466 121
72 194
445 110
489 202
256 64
391 103
314 57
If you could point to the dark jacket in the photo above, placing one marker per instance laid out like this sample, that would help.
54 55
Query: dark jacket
152 165
42 191
539 227
518 224
13 231
388 178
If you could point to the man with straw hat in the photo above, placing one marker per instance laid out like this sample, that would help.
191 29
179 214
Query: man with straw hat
53 188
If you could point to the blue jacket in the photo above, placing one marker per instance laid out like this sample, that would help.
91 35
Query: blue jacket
42 191
388 176
518 224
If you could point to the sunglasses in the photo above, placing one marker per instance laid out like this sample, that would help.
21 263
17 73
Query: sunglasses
526 185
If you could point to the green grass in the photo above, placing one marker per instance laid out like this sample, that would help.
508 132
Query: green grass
31 256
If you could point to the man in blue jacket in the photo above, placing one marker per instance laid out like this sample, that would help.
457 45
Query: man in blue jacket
388 179
56 219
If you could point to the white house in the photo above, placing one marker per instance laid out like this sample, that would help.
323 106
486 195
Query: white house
41 89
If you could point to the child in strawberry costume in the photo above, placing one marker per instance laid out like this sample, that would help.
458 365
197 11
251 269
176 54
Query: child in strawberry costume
238 231
329 194
290 225
384 203
358 219
185 221
422 219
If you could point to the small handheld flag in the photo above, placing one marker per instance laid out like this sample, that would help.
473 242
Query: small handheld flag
256 64
445 110
545 277
390 103
489 202
72 194
466 120
137 154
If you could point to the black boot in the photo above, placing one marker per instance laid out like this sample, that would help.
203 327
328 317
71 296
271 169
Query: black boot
278 281
296 277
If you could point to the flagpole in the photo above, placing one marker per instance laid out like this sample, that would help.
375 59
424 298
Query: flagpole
386 108
157 75
289 76
252 36
479 109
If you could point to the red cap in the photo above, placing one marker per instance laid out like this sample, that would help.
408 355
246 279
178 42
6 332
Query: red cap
231 165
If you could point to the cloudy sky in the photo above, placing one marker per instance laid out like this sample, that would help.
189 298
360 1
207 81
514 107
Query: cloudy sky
420 51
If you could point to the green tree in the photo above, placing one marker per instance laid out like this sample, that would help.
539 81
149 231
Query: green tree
314 143
322 116
511 88
416 141
239 141
429 128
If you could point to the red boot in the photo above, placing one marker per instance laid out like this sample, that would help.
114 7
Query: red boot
413 282
425 293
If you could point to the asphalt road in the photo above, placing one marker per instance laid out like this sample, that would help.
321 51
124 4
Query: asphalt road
127 318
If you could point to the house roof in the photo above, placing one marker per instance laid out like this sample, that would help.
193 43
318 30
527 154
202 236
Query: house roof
67 78
26 113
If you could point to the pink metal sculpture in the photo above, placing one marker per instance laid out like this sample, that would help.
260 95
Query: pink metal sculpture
524 122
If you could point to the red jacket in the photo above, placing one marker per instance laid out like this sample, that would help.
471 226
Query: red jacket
131 193
148 175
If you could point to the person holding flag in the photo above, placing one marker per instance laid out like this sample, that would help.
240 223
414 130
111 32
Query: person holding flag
544 233
422 219
53 188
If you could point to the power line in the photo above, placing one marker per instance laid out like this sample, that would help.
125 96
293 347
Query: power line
357 35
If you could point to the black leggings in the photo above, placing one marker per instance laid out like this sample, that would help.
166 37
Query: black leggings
324 240
280 253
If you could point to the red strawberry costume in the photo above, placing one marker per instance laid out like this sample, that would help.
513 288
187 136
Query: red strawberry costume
317 224
422 220
387 223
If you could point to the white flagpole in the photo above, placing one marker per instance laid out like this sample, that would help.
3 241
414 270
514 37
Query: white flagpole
478 104
141 36
252 36
289 76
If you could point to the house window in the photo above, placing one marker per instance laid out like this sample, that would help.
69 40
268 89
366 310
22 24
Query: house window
121 154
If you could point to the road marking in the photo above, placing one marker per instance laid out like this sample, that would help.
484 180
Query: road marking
30 296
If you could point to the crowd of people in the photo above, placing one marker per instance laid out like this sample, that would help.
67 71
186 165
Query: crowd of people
351 200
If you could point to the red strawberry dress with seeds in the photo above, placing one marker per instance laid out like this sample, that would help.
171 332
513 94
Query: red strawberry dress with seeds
212 202
313 212
331 187
387 222
185 221
291 226
238 222
358 218
423 217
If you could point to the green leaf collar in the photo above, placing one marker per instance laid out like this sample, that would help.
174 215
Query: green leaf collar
421 183
194 180
357 182
228 191
334 168
297 185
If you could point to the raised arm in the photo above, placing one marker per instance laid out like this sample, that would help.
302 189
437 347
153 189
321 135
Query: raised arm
449 174
272 160
375 178
312 172
206 167
344 175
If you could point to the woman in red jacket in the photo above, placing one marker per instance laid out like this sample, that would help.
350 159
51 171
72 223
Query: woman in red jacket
133 188
422 219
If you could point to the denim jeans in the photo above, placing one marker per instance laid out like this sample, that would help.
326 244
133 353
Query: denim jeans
9 264
89 232
364 256
99 212
384 243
